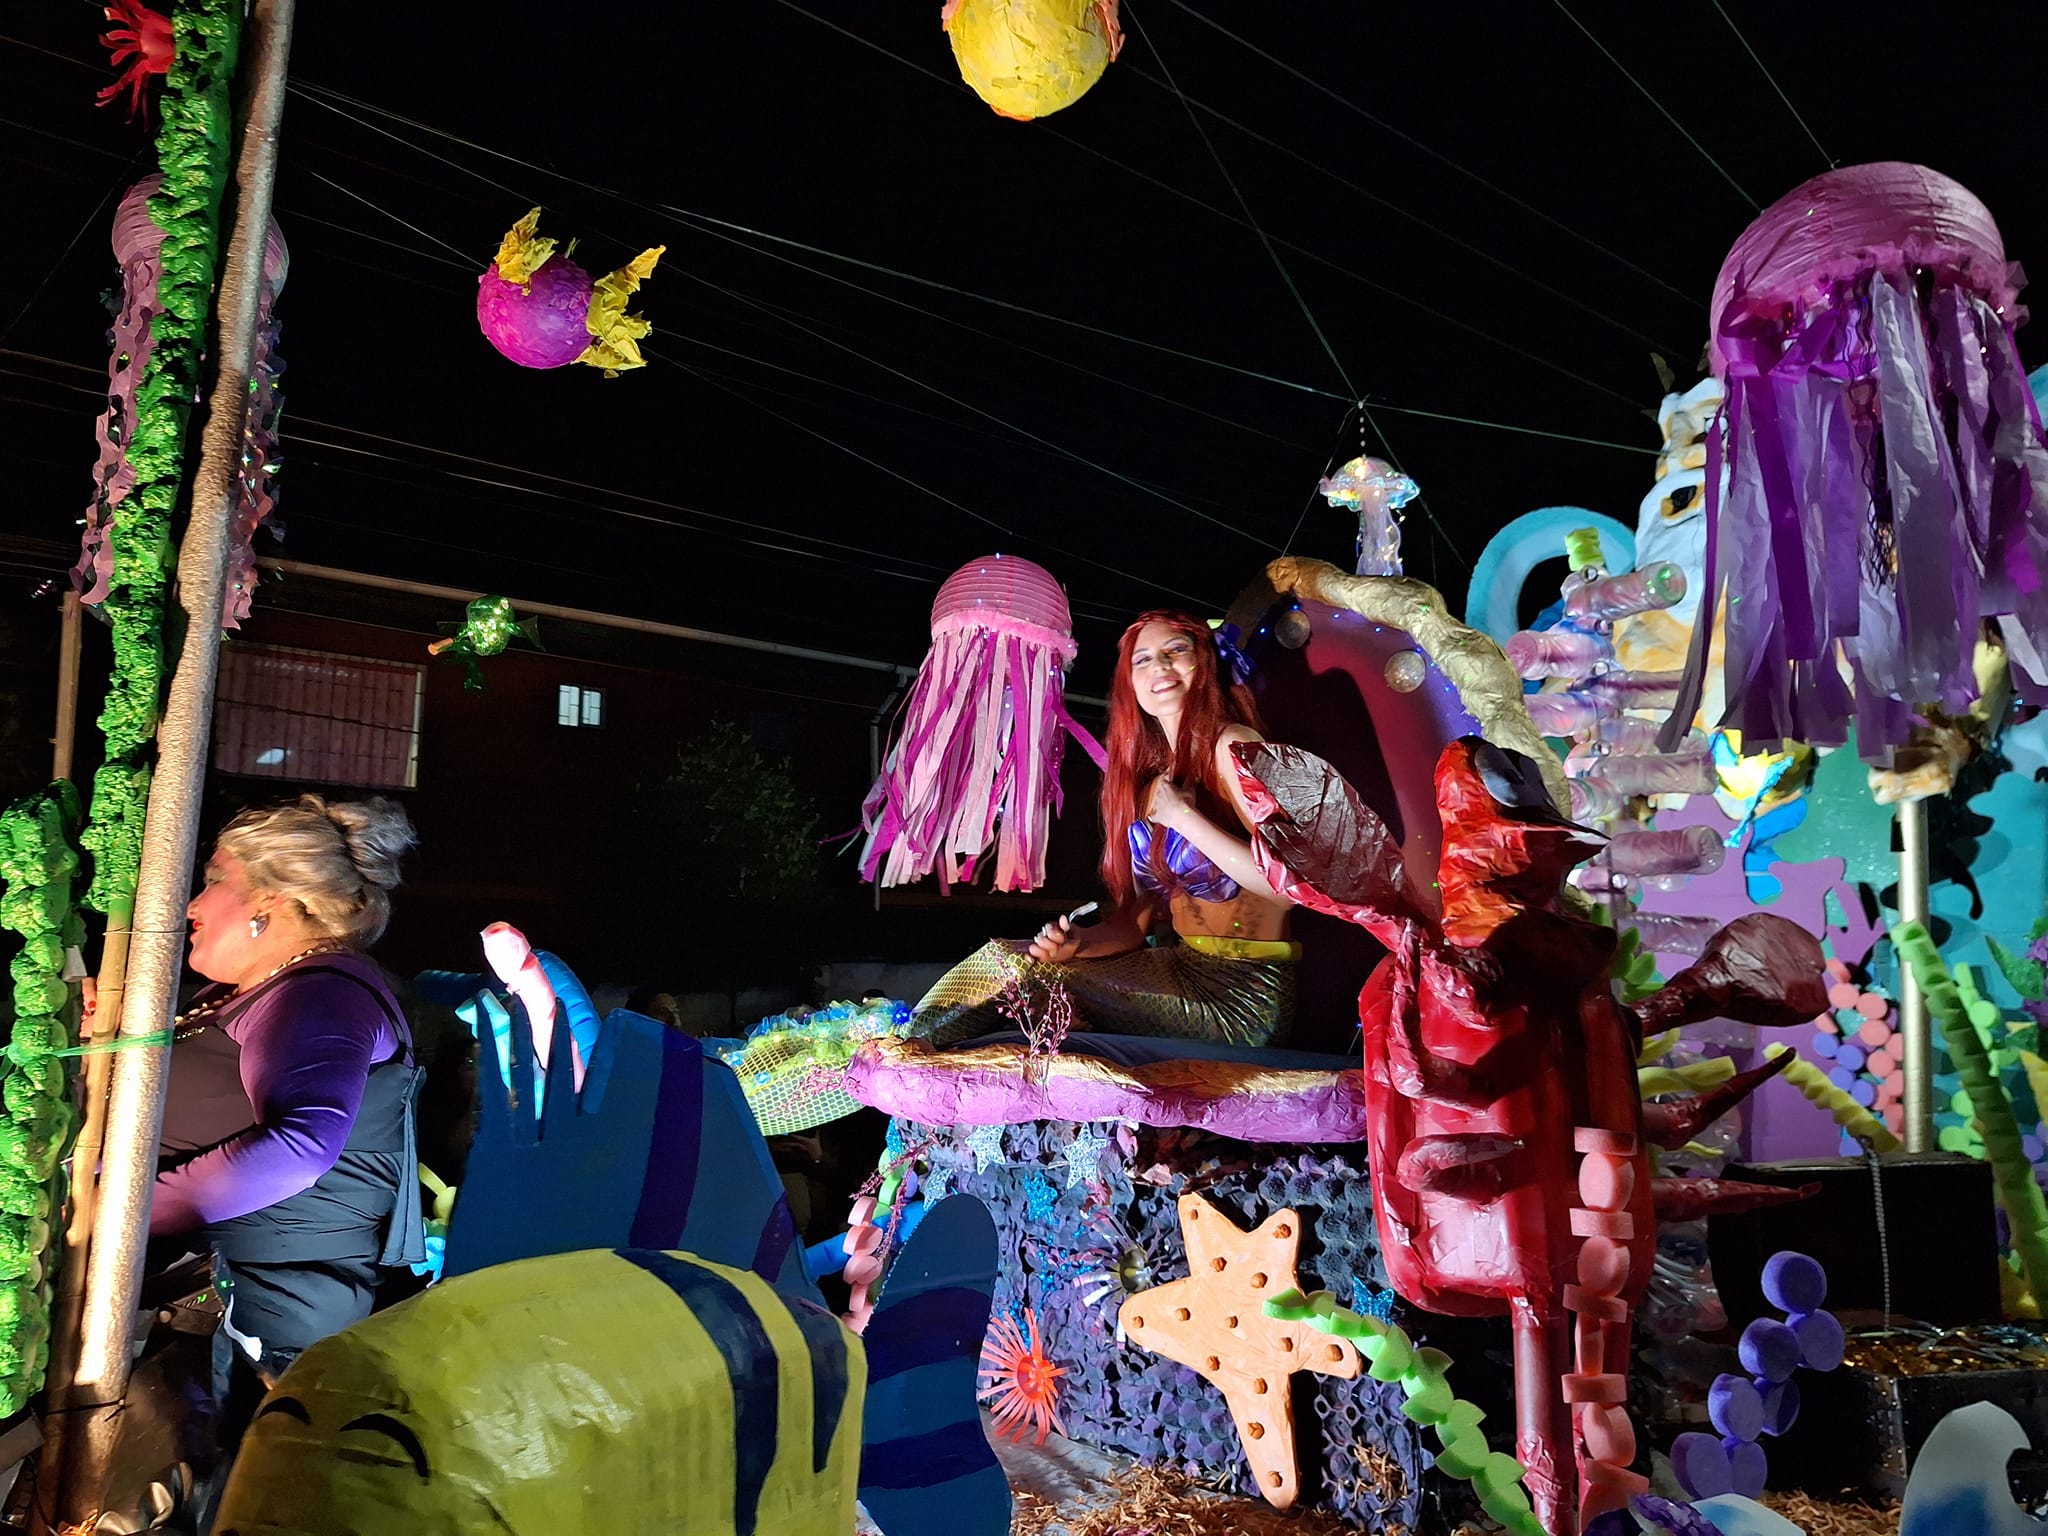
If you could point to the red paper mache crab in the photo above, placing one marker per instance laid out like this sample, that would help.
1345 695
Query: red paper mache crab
1508 1135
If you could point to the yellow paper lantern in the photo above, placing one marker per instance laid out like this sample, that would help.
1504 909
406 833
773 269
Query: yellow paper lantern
1027 58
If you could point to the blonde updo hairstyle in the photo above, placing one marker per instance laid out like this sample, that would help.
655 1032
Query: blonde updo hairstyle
336 860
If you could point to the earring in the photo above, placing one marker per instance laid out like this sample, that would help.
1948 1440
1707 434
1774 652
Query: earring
257 924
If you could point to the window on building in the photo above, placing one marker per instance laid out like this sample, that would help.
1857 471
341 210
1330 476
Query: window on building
579 706
315 718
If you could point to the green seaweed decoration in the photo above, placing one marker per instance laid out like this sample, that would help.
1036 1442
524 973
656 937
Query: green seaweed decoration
1391 1356
193 148
1960 1015
36 1118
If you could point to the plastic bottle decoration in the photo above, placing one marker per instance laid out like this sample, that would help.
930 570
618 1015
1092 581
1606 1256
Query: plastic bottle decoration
488 626
256 470
976 759
1864 327
542 310
1028 58
140 39
138 243
1376 491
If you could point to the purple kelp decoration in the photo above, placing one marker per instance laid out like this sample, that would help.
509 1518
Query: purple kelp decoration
136 242
1886 484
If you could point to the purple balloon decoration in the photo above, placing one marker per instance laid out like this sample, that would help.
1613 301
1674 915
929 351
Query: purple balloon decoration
1864 1092
1701 1464
1821 1343
538 323
1769 1350
1826 1043
1842 1078
1852 1056
1792 1282
1781 1407
1747 1469
1735 1407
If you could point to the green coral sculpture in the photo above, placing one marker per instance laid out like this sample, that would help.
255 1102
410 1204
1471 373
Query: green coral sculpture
1423 1375
36 1119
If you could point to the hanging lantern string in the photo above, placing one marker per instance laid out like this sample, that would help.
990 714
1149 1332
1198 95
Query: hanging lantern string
927 490
1350 105
1230 181
1765 71
671 210
1602 314
1663 110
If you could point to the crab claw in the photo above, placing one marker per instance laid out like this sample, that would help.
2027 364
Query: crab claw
1673 1124
1693 1199
1760 969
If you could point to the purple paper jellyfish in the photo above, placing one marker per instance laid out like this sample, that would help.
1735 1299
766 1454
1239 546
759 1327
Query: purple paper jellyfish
1886 486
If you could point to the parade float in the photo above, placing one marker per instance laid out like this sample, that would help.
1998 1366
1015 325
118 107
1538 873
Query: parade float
1443 1255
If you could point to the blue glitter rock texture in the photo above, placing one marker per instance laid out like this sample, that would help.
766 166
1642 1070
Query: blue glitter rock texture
1062 1241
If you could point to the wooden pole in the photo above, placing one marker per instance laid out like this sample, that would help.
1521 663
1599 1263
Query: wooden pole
99 1377
70 642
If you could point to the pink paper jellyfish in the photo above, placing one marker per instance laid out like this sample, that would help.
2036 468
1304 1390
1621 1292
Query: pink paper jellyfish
1886 487
977 753
542 310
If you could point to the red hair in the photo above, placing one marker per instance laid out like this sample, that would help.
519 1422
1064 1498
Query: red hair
1137 747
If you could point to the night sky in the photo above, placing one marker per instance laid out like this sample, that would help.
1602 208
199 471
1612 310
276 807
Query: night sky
1482 213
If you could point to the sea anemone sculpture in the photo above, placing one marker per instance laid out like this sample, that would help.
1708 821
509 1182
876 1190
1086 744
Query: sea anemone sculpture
1021 1381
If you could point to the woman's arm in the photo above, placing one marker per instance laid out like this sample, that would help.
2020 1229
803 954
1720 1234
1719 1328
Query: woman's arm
1228 850
305 1061
1118 934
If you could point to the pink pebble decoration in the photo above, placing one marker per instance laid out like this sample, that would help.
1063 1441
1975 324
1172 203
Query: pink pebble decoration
1603 1265
1606 1182
1609 1435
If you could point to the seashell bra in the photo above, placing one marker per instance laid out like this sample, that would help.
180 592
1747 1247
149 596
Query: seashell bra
1188 870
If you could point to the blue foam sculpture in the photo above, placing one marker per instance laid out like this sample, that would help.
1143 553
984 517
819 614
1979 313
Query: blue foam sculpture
926 1468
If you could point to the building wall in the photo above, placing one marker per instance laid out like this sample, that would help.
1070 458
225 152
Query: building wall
525 821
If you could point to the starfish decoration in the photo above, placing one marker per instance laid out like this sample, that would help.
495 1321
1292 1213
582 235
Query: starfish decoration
937 1182
1084 1157
1214 1322
986 1142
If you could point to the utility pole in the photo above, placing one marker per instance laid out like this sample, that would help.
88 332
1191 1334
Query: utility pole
87 1395
70 642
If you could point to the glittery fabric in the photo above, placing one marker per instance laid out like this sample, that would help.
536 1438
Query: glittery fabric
1181 991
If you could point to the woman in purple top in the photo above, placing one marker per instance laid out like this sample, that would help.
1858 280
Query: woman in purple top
287 1147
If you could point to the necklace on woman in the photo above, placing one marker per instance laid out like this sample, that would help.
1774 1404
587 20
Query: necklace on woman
195 1019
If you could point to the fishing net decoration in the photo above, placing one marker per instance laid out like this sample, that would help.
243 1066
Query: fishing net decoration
976 758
